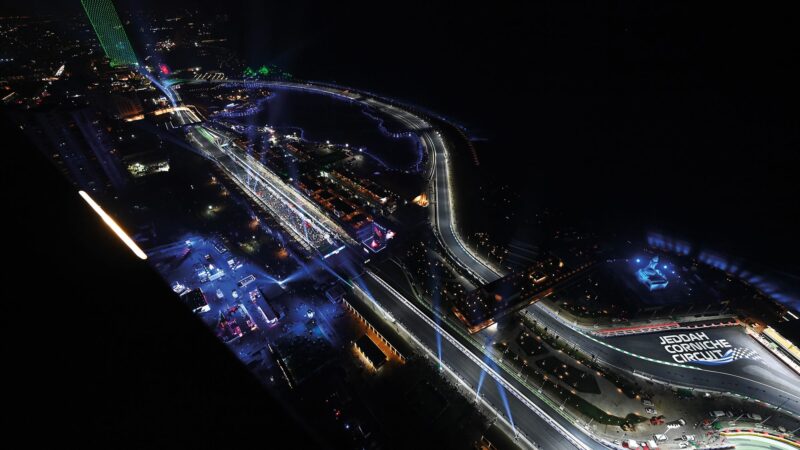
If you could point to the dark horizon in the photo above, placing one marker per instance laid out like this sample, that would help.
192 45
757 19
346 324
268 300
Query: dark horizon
275 218
648 117
630 118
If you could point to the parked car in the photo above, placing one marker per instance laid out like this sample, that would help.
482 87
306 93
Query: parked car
657 420
649 410
676 424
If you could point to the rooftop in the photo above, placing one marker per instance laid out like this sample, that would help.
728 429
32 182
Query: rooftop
371 352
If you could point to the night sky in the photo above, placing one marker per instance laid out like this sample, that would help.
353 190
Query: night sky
626 117
629 117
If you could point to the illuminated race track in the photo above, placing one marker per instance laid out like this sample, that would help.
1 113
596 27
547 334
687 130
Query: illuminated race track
443 211
444 216
774 383
534 419
752 386
529 417
300 217
467 364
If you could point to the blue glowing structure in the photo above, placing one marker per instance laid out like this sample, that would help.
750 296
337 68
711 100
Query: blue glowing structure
651 277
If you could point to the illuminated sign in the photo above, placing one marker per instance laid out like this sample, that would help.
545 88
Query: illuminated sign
698 348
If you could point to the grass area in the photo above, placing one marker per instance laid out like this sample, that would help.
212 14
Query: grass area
630 389
532 345
566 397
569 374
601 416
589 410
593 412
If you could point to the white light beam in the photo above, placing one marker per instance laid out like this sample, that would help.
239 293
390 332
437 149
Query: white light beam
113 225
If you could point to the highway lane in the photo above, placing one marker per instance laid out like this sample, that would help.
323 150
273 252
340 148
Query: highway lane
780 388
444 215
549 431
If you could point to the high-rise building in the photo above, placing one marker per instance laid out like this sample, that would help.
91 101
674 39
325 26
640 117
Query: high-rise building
110 32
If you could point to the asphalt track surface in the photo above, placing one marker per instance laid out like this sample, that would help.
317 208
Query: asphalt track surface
768 380
534 420
538 423
444 215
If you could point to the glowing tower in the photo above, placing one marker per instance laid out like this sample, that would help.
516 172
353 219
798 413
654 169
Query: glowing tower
110 32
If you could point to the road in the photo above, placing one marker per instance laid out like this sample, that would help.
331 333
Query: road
553 430
529 414
769 381
444 214
534 419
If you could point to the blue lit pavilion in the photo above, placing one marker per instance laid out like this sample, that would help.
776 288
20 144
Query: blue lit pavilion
651 277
